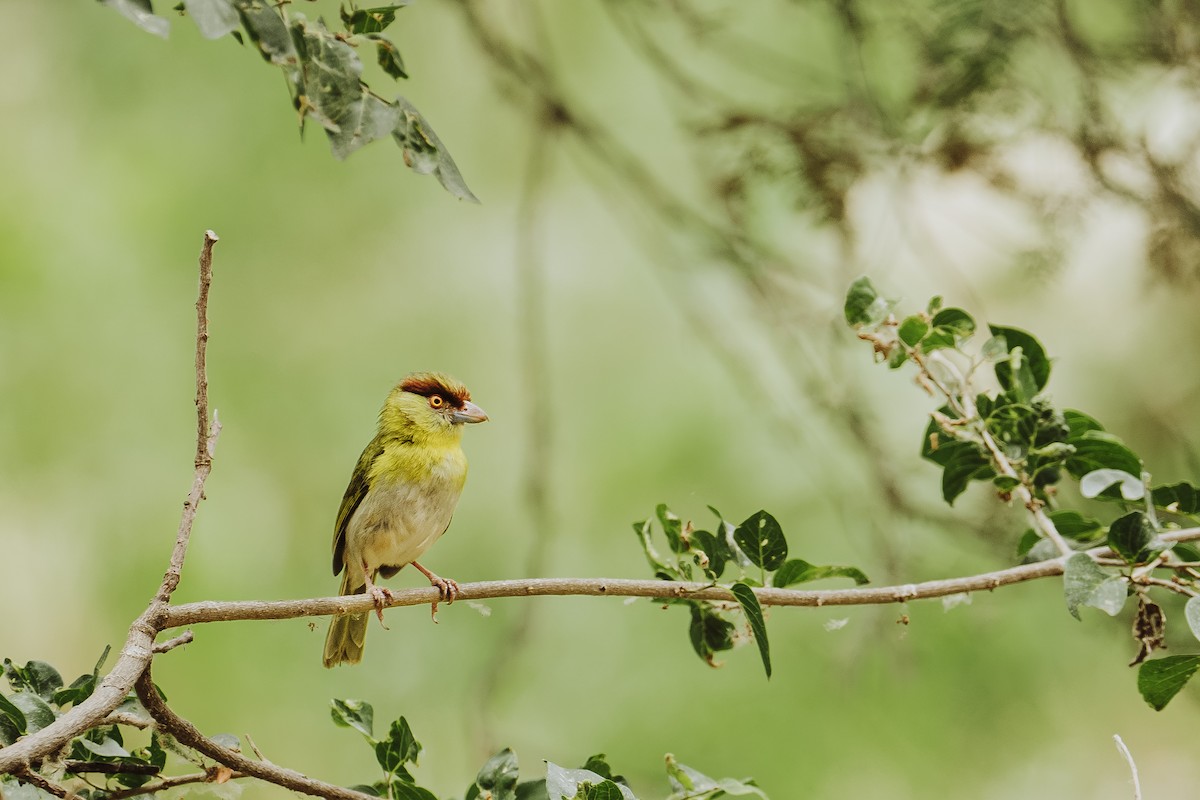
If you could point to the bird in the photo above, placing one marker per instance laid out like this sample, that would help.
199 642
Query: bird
400 500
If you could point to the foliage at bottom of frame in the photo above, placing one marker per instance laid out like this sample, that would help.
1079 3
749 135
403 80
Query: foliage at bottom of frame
499 778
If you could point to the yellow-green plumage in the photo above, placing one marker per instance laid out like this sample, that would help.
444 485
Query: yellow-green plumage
401 496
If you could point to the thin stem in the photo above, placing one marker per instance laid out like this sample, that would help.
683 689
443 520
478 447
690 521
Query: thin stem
1133 770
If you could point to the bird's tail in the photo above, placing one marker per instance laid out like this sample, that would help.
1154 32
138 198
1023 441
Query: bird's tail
347 633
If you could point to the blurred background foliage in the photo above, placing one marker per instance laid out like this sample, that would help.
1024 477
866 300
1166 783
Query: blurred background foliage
647 302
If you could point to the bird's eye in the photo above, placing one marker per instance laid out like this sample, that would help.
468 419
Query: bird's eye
436 401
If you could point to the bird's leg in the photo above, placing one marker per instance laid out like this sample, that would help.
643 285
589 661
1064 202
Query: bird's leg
379 594
447 588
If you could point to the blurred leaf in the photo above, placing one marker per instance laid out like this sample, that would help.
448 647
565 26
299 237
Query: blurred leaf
398 749
357 714
672 527
140 13
1161 679
994 348
424 152
388 56
370 20
36 676
1181 498
754 615
267 31
1133 538
912 329
561 782
864 306
1075 526
532 790
374 791
1192 612
688 783
598 764
1033 356
1096 481
1085 583
934 305
498 777
797 570
762 540
214 18
710 633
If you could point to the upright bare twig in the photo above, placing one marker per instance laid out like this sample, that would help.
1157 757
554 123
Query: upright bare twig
1133 770
139 645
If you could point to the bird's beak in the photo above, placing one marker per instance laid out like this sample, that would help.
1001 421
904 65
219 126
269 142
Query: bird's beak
469 413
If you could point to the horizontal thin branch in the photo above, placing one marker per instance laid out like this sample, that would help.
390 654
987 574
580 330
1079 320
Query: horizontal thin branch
218 611
210 776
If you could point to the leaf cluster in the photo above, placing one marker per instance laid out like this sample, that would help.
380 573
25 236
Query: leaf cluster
1014 437
754 551
323 72
499 777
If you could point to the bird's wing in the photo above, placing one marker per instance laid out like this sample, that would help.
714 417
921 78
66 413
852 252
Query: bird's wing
355 492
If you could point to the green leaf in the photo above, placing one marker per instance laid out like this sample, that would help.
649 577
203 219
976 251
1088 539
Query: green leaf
645 533
964 462
267 31
407 791
36 676
1079 423
710 633
105 748
912 330
374 791
424 152
714 549
1133 538
140 13
1085 583
1074 525
1161 679
598 764
754 615
1096 481
864 306
79 690
388 56
1005 483
1099 450
499 775
1181 498
1033 356
357 714
1192 612
398 749
530 790
956 321
14 715
797 570
762 540
38 714
688 783
370 20
934 305
994 348
214 18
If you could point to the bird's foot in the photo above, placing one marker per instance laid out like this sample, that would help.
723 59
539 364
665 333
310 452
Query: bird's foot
447 589
381 596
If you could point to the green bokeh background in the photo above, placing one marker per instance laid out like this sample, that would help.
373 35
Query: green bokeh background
334 279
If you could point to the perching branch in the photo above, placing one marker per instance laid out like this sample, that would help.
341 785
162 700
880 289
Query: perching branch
225 611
